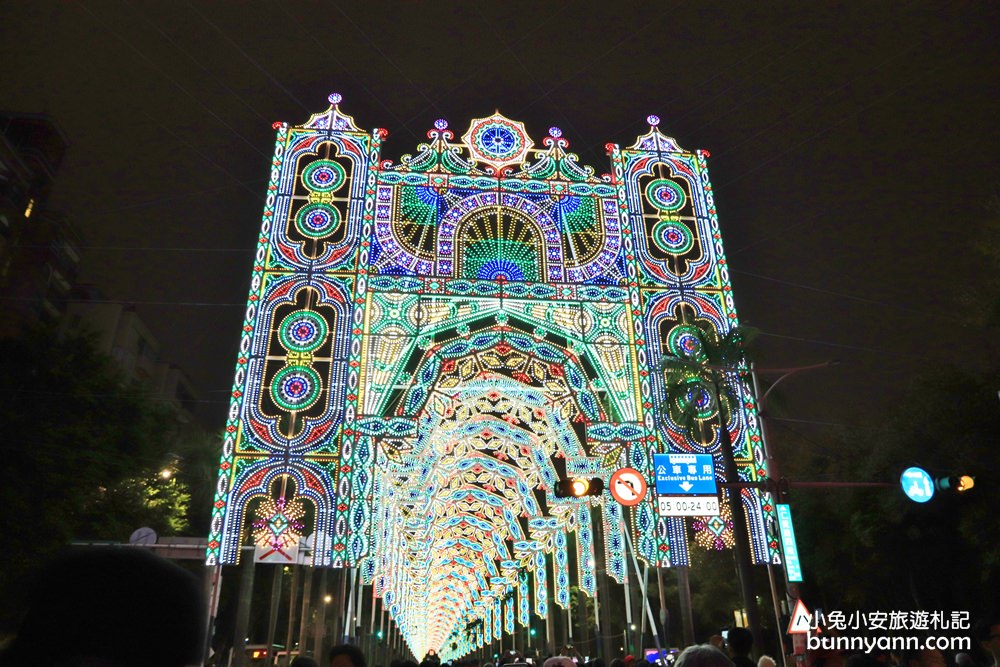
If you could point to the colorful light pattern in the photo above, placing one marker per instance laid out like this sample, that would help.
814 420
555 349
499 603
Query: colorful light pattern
425 340
278 527
715 532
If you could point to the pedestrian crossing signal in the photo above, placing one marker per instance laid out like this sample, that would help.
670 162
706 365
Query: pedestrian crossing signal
579 487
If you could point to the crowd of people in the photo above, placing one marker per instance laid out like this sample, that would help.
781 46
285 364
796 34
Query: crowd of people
735 650
128 607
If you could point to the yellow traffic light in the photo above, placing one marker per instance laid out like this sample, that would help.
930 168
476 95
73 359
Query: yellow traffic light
578 487
956 483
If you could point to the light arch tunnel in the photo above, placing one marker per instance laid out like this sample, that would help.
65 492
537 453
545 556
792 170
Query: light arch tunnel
413 423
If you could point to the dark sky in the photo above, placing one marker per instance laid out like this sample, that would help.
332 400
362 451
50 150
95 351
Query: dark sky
854 149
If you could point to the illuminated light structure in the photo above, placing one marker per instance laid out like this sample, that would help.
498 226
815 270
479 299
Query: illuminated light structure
277 528
426 343
715 533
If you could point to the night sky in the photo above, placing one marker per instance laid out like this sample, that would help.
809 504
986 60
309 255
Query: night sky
854 151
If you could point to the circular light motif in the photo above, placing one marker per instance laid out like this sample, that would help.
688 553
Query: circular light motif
672 237
555 132
295 387
441 124
665 195
685 341
653 119
302 331
317 220
324 176
498 141
697 396
335 98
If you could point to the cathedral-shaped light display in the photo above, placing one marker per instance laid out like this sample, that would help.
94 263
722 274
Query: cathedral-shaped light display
429 345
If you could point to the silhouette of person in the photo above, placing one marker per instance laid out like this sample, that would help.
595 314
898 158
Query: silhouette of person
702 655
988 636
111 607
740 642
347 655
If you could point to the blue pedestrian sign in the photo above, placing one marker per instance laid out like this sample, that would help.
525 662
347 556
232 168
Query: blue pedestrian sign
684 475
917 484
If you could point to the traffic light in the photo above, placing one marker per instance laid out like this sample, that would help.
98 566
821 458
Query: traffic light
531 632
378 634
919 486
577 487
956 483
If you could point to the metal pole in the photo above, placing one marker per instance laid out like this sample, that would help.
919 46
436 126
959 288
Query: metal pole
384 643
741 541
550 640
272 616
602 612
777 612
359 606
304 619
349 621
687 617
569 620
664 613
213 609
319 628
645 589
243 610
371 628
774 473
645 598
340 627
628 604
293 599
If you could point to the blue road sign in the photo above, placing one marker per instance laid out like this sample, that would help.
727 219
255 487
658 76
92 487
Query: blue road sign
684 475
917 484
793 570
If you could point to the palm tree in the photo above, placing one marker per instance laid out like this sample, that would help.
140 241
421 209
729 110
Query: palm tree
702 379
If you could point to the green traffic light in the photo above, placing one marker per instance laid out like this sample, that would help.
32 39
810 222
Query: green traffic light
531 632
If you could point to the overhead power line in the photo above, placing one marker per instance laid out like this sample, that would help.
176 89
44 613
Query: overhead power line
159 70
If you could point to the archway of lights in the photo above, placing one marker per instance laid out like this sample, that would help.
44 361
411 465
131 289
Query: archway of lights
428 345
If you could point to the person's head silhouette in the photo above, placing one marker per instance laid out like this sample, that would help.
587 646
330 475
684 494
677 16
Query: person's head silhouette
112 607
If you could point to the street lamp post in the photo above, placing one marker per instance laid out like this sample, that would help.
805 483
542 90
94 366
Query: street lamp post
779 489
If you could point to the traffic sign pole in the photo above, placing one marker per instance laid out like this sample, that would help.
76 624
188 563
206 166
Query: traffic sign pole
642 587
